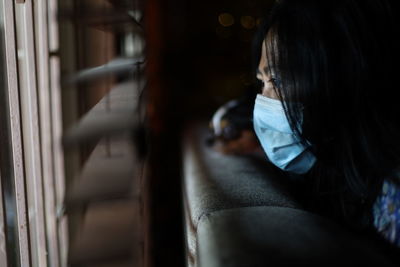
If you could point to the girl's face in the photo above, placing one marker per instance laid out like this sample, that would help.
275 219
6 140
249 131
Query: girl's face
264 75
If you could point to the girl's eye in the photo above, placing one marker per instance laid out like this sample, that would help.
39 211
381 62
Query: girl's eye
275 82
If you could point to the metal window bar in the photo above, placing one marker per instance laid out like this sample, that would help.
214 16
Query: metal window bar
34 171
27 74
12 157
31 162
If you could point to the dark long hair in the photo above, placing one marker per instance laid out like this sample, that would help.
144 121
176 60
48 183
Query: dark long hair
338 59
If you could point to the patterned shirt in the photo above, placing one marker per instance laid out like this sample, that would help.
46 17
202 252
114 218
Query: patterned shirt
386 212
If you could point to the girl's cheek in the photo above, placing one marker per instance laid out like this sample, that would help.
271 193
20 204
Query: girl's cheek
268 91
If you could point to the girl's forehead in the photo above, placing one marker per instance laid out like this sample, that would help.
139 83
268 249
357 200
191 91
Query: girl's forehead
266 52
270 42
269 53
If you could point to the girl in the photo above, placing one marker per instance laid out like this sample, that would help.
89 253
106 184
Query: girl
328 109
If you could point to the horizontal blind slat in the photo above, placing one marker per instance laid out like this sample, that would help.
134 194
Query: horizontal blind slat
107 232
113 115
119 20
108 173
116 66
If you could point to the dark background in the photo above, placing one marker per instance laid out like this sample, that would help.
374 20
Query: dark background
194 65
206 63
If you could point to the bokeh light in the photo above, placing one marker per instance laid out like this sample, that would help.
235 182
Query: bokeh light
226 19
248 22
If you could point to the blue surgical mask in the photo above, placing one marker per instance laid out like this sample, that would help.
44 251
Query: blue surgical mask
279 142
